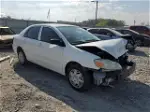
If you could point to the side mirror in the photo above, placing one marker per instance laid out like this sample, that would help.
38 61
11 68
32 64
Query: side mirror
57 42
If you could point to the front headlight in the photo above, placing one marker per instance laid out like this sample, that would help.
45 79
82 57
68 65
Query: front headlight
107 64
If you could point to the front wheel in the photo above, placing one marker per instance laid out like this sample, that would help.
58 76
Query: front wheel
78 78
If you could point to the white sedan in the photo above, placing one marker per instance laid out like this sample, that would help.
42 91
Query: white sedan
75 53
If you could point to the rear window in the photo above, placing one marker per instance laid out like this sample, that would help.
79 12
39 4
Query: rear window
6 31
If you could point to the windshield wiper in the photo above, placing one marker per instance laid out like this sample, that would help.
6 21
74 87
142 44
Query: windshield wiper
92 40
85 41
78 42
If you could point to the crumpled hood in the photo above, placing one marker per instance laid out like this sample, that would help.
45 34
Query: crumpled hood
6 37
115 47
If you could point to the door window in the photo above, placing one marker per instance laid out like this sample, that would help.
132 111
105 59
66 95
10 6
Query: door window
106 32
48 34
32 32
95 31
103 32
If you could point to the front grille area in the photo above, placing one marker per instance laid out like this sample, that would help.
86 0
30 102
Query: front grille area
123 60
8 41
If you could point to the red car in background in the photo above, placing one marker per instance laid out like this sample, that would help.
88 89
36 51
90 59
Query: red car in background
141 29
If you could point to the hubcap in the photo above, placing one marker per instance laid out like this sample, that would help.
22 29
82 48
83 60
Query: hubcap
21 57
76 78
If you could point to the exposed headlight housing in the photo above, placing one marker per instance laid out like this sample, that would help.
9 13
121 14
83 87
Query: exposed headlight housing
107 65
129 46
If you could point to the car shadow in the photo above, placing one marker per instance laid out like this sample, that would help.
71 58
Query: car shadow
6 49
138 53
128 95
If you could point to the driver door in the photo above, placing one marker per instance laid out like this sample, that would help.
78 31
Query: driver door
51 55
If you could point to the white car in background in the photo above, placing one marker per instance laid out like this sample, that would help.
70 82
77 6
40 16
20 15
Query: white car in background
74 52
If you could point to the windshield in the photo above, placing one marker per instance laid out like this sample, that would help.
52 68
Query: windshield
76 35
6 31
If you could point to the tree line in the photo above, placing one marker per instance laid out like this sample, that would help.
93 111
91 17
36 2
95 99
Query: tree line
103 23
98 23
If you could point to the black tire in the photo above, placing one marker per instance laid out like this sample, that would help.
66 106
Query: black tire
20 52
86 77
132 50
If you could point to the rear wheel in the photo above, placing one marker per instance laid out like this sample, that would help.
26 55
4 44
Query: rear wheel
22 57
78 78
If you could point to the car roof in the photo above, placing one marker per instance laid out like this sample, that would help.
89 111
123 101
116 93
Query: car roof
138 26
52 25
100 28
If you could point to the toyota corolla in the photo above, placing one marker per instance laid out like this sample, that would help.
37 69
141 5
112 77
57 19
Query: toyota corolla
74 52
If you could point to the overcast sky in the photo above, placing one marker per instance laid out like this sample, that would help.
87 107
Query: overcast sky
77 10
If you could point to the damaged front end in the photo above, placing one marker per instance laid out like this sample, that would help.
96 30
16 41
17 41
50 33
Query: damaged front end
105 76
111 68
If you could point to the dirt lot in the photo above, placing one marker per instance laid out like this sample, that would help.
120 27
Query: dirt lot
35 89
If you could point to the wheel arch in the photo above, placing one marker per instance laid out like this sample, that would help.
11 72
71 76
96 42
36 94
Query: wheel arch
69 64
76 63
19 49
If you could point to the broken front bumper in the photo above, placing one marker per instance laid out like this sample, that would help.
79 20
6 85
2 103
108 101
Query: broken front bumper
105 78
128 70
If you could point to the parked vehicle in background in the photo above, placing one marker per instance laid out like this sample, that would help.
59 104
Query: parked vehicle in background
141 29
103 37
75 53
112 34
141 39
6 36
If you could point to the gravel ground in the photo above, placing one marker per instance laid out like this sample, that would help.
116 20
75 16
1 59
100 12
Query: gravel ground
35 89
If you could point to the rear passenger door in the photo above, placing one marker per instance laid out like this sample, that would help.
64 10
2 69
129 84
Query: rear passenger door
31 43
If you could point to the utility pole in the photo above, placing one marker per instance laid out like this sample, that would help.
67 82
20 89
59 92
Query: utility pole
96 10
48 15
134 22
